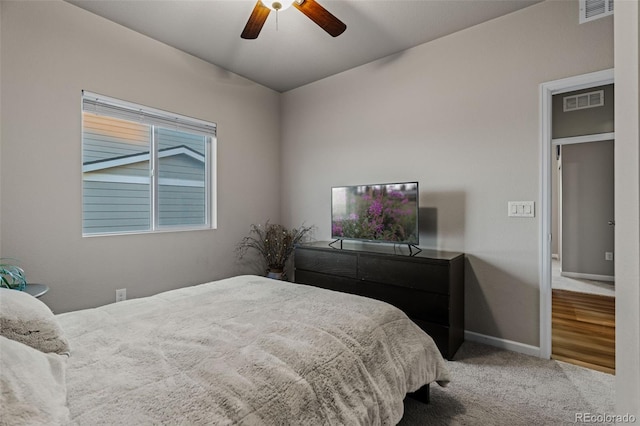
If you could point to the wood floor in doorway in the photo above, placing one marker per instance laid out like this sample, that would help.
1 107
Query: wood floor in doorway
583 329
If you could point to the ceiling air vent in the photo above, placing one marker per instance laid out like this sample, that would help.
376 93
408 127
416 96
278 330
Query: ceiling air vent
583 101
594 9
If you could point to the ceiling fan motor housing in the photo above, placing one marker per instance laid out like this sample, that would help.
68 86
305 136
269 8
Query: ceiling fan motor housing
276 5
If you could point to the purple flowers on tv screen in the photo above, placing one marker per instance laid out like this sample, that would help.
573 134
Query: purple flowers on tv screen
385 212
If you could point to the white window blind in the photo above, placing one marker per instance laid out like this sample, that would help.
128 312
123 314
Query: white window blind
103 105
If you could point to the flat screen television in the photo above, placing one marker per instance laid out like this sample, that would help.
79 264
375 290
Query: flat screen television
385 212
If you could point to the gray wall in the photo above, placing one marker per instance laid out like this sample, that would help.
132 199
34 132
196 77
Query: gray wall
587 206
460 115
53 50
1 50
56 255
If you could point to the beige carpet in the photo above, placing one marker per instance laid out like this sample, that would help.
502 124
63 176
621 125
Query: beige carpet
492 386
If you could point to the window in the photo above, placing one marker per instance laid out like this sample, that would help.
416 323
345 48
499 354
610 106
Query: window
144 170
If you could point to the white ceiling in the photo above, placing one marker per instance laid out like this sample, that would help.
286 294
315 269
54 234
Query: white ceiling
297 52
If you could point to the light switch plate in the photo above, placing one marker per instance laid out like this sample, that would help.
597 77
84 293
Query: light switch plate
521 209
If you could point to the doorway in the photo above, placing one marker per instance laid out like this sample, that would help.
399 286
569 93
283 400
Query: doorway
583 297
547 91
583 216
583 292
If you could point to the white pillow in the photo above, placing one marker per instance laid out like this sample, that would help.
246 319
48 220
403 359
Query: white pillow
27 320
32 386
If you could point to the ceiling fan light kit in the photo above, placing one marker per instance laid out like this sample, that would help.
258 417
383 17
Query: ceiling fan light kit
310 8
279 5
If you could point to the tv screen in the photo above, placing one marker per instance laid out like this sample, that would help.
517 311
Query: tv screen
380 212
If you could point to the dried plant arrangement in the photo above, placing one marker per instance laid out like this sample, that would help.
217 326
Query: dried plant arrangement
274 243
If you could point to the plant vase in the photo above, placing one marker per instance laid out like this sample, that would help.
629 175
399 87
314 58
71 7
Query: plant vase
274 244
275 274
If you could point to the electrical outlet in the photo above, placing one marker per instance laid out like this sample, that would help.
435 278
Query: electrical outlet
608 255
121 294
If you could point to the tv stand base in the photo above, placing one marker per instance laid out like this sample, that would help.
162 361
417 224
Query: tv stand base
411 247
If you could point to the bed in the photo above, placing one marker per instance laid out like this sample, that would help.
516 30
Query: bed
244 350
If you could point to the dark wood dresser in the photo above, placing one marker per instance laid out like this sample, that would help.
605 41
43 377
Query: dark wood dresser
427 286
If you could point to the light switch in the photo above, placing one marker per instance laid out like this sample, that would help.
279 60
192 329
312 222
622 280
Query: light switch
521 209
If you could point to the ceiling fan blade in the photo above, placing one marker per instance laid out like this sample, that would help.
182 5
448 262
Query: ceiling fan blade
256 21
321 16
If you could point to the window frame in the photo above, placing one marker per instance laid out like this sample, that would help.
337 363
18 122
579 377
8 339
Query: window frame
156 119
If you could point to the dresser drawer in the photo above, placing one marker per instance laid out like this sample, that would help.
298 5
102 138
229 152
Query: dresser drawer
328 262
426 276
441 335
330 282
418 304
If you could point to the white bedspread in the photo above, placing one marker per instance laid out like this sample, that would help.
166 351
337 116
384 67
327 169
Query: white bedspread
246 350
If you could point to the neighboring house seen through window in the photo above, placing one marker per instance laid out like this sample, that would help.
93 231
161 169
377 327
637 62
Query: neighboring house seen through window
144 169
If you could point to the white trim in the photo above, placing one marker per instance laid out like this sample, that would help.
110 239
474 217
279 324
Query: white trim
137 158
143 180
509 345
597 137
579 82
547 90
560 206
177 228
592 277
212 178
153 168
181 150
107 164
106 177
180 182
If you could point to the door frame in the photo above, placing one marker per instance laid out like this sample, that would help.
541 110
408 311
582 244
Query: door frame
547 90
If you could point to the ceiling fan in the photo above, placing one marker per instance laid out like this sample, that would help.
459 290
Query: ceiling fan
310 8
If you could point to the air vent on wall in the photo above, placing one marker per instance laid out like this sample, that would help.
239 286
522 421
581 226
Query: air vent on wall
583 101
595 9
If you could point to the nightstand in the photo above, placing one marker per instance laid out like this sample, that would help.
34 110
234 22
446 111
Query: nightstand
36 290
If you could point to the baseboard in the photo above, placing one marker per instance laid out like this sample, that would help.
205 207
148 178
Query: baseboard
509 345
592 277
